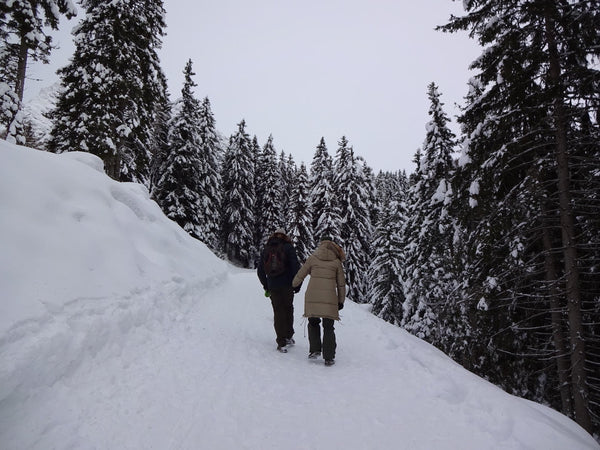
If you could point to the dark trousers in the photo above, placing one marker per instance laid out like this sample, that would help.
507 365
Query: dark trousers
314 337
282 300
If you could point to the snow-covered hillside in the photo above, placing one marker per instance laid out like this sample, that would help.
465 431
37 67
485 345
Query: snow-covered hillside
117 330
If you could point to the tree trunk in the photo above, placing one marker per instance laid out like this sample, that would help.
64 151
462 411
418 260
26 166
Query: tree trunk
21 68
112 166
567 222
562 353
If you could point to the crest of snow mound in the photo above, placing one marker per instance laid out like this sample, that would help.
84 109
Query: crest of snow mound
68 231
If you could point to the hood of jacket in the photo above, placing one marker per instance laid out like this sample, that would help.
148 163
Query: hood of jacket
328 251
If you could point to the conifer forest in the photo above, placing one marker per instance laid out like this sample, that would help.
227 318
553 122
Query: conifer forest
489 250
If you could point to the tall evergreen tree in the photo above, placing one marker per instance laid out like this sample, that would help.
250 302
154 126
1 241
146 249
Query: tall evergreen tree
23 37
178 191
113 87
523 175
269 193
209 179
429 231
324 207
386 290
288 170
355 226
300 216
238 199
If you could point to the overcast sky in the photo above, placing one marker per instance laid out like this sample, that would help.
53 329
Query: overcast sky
300 70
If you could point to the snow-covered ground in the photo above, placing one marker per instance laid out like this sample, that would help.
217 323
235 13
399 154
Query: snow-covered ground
117 330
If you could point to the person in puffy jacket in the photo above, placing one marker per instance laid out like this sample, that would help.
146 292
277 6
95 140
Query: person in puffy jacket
279 289
324 296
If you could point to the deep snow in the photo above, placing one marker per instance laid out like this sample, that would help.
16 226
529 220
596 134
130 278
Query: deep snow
117 330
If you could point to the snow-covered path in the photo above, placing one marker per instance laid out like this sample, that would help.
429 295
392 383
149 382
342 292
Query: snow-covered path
119 331
208 376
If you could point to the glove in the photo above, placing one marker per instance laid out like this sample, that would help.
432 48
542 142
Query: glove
297 289
340 306
267 293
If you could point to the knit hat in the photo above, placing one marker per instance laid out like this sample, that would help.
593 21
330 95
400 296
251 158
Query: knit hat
279 231
326 238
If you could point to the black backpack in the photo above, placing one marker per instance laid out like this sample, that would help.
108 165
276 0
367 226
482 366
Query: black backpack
274 258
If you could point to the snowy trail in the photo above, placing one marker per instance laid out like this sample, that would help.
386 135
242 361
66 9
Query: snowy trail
209 377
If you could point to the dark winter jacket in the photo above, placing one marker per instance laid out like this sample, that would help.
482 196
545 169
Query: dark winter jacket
292 265
327 286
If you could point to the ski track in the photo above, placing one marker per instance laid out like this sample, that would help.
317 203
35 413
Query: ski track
173 377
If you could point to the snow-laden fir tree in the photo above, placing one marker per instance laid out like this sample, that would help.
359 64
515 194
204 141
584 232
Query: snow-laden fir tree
269 193
324 207
23 37
370 190
429 231
113 86
288 171
300 216
352 197
526 198
391 186
178 191
386 289
238 220
209 181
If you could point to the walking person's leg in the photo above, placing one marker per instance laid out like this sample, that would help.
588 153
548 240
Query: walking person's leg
314 335
288 301
329 344
280 321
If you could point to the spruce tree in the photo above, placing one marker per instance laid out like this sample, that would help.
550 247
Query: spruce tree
324 207
209 179
23 37
351 195
300 216
269 190
178 191
386 288
113 87
524 197
238 219
429 231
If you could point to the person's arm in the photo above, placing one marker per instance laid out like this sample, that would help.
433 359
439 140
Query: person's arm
302 273
262 276
341 283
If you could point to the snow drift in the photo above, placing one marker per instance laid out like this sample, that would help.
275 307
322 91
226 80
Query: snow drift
117 330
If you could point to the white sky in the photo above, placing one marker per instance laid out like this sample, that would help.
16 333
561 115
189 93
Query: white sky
303 70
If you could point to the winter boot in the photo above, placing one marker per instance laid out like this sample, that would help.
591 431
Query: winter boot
314 355
329 362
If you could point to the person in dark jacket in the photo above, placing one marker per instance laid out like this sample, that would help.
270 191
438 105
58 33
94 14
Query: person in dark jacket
279 289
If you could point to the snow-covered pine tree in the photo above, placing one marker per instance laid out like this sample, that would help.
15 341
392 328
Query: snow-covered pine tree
525 198
209 182
23 37
370 191
391 186
288 171
270 212
352 197
325 213
238 220
113 87
386 289
429 231
300 216
178 191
